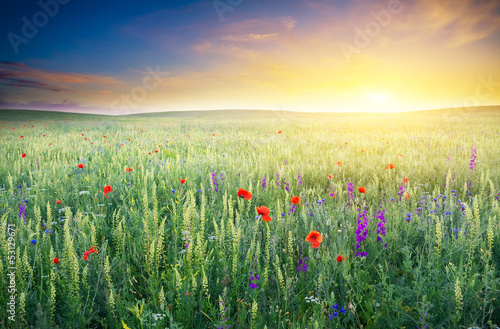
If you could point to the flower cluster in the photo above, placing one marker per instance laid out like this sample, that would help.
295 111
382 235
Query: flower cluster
408 217
473 156
22 212
381 226
264 182
361 232
302 265
214 181
350 189
337 311
299 180
253 277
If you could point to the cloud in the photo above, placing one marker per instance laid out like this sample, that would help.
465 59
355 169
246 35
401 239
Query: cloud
61 80
22 83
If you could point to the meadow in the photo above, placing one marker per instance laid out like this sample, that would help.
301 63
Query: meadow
144 221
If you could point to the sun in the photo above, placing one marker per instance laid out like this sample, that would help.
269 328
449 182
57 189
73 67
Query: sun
377 97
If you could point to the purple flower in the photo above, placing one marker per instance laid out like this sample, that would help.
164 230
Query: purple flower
473 156
264 182
381 225
350 196
22 212
361 231
253 285
214 181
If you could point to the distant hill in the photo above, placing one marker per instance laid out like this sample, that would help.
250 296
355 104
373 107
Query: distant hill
21 115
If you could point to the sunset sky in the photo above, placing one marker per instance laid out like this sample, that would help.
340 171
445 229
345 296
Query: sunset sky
119 57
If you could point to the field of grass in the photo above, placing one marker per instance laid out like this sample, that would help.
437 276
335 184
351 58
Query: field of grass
175 247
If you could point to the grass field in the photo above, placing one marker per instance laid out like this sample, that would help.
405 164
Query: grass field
405 207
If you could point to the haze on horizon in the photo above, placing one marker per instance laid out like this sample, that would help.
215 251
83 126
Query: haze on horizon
123 57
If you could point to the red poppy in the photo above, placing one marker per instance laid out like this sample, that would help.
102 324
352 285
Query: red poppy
21 136
104 136
88 252
129 169
56 260
361 189
23 155
406 180
399 156
295 200
264 211
340 258
390 166
339 163
58 202
407 195
315 238
107 189
244 194
330 176
279 132
156 151
81 166
182 180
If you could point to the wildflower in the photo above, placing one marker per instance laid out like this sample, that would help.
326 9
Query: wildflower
302 265
406 180
264 211
244 194
339 164
279 132
81 166
56 260
342 310
33 241
58 202
21 136
340 258
399 156
182 180
23 155
107 189
335 314
48 231
129 169
295 200
473 156
253 285
361 189
299 180
22 212
361 232
330 176
336 306
88 252
314 238
390 166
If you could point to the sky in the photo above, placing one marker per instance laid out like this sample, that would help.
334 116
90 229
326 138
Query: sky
123 57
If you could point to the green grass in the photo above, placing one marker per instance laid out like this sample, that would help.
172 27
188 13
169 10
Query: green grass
166 259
